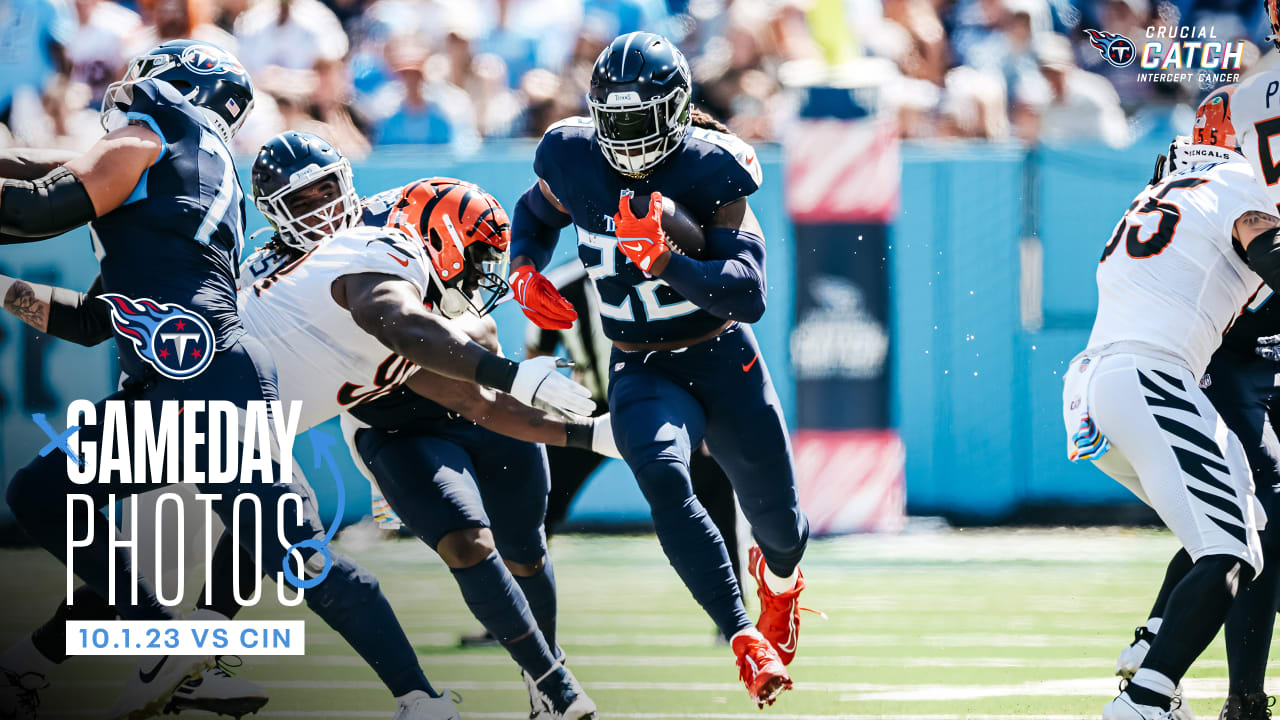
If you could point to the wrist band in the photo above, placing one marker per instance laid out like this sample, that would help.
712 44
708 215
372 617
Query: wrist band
496 372
579 433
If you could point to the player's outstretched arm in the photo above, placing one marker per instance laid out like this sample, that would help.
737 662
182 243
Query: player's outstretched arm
391 310
62 313
86 187
733 286
32 163
535 228
505 415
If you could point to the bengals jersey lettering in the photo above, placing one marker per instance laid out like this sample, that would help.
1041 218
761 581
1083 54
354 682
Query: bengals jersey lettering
1171 276
325 359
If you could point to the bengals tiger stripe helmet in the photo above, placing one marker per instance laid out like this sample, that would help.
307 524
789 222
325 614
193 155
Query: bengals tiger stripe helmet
466 234
1213 119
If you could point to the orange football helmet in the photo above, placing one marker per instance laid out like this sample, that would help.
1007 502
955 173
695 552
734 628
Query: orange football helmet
466 233
1213 119
1273 14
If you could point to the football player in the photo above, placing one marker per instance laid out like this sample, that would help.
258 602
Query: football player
685 365
1196 245
305 189
162 198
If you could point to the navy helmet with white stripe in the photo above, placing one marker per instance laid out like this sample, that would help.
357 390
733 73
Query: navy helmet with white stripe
639 99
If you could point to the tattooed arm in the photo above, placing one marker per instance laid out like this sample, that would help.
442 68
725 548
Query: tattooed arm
29 302
1252 224
63 313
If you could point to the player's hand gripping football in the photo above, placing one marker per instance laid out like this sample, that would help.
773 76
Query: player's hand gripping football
642 240
540 300
539 384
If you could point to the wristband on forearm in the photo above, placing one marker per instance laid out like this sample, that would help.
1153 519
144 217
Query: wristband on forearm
496 372
579 433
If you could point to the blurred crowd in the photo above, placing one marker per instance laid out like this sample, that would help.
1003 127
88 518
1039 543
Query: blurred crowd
452 73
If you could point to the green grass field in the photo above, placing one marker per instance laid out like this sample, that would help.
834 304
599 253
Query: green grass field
954 624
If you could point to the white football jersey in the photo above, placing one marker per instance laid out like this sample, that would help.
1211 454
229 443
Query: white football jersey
1170 275
1255 115
322 357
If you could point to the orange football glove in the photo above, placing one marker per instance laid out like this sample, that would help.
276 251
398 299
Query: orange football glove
540 300
640 239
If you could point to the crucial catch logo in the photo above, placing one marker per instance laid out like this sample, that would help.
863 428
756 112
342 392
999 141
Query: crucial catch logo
170 338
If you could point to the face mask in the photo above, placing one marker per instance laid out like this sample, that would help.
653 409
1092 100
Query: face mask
453 303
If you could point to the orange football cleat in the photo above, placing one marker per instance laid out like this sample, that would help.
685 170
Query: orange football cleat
759 667
779 613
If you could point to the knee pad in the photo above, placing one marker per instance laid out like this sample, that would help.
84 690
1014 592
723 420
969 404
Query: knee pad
664 481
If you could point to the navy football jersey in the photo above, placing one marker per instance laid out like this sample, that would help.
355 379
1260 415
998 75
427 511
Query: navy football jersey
709 170
177 238
1260 318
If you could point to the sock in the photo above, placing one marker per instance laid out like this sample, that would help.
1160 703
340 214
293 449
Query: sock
497 602
50 639
1248 633
778 585
1149 687
222 575
1153 624
540 592
23 657
1194 614
693 544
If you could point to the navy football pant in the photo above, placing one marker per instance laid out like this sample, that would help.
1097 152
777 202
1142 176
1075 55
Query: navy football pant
349 599
1241 387
572 467
460 476
664 404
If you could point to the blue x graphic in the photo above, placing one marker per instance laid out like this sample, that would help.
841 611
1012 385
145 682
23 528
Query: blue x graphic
57 440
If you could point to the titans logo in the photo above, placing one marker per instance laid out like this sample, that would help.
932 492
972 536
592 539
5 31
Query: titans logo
1117 49
175 341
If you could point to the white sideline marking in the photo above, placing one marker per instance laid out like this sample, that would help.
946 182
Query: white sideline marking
1079 687
1101 664
692 716
685 640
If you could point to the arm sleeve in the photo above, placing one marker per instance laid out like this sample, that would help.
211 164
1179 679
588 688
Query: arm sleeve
535 227
732 288
1264 257
79 317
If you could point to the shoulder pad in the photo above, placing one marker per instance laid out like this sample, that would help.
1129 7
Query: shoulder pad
579 122
377 206
742 154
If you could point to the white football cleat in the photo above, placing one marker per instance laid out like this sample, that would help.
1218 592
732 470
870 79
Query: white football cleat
562 699
1134 653
1122 708
152 683
218 691
418 705
539 708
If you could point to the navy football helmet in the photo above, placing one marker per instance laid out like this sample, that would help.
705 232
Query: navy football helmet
207 76
639 101
287 189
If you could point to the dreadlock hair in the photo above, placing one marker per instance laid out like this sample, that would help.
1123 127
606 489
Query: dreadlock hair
703 119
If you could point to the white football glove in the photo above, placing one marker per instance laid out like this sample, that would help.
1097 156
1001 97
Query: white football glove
539 384
602 442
